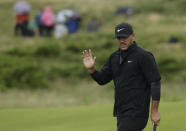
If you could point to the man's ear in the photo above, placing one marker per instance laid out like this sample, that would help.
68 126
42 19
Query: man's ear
133 36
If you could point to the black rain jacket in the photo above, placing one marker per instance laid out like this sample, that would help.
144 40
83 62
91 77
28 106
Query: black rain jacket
132 72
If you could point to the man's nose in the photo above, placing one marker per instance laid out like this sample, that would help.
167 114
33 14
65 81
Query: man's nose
123 40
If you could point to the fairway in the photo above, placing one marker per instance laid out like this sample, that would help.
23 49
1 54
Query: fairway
83 118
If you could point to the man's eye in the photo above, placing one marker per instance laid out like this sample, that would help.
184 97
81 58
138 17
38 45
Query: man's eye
118 38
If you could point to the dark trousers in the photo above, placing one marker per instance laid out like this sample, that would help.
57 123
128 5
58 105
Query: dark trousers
17 30
22 29
47 31
41 30
131 124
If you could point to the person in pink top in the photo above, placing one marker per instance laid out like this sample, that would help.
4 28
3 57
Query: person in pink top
47 20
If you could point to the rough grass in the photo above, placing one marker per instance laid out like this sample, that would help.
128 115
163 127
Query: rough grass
65 93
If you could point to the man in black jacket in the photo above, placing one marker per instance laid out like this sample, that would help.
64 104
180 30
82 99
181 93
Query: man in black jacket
136 79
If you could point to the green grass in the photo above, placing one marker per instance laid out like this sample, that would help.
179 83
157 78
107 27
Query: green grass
83 118
84 107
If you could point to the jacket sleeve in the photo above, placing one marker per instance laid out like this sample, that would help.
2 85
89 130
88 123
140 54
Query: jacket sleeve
104 76
149 68
156 90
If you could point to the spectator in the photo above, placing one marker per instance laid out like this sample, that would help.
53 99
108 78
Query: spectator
73 20
38 22
93 25
60 29
32 27
129 11
173 40
47 19
72 25
22 9
21 24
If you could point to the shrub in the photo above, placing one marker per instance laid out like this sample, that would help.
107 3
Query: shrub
20 73
172 68
48 50
21 52
169 65
67 70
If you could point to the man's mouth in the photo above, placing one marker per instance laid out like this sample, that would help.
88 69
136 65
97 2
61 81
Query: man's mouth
123 44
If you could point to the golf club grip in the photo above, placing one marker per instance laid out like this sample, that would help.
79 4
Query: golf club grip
154 128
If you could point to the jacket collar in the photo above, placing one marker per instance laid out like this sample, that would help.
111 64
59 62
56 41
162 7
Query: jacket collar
124 54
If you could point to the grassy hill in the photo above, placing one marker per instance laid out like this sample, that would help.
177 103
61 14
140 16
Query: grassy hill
40 62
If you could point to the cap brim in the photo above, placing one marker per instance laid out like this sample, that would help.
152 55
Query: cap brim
122 36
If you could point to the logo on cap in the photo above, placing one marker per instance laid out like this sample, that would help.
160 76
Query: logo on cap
120 29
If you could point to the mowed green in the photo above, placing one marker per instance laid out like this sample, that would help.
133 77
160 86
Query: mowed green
84 118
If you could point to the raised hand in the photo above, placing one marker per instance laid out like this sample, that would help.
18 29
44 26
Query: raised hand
88 60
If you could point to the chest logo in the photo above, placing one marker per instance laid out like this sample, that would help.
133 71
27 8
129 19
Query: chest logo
130 61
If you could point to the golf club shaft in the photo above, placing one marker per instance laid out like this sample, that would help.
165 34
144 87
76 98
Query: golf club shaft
154 128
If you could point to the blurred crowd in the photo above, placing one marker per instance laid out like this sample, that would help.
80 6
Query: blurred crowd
45 23
66 21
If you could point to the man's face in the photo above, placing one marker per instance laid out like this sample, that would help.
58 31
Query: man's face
124 43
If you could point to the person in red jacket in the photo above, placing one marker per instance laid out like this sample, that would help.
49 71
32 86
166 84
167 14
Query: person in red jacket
21 27
21 23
